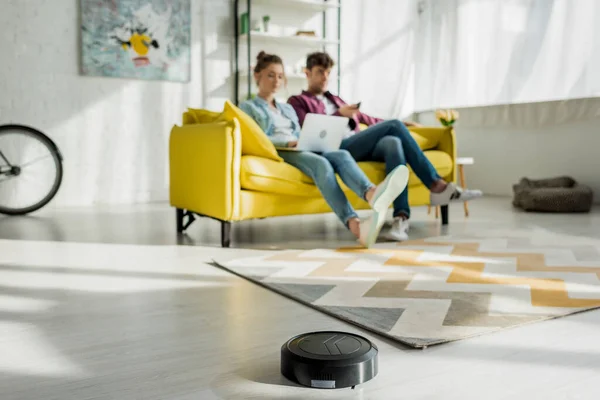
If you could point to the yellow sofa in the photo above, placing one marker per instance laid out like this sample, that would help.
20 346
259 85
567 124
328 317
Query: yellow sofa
213 174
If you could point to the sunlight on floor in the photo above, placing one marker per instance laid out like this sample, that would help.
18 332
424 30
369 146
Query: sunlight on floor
25 351
95 282
23 304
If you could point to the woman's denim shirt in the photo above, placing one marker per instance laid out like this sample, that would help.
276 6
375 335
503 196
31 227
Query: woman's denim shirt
258 109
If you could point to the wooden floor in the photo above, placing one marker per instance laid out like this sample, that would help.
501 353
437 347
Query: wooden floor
108 304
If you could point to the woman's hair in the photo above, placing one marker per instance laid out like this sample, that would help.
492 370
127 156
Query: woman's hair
263 60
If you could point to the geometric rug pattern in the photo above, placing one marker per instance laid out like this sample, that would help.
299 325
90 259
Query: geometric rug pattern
441 289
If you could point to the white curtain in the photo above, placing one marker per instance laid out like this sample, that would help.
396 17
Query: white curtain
489 52
377 55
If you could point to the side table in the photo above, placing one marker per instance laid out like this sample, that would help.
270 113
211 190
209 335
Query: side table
461 162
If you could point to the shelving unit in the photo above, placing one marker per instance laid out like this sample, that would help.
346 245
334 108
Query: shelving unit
316 5
296 41
289 76
287 40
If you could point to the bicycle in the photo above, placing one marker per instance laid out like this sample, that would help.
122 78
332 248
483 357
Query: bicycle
27 154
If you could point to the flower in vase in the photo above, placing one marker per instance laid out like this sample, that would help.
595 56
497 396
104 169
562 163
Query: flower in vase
447 117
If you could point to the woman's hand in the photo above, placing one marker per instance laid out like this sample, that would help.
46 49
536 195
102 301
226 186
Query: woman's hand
292 144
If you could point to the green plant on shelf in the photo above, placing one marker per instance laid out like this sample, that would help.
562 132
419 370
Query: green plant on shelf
245 23
266 20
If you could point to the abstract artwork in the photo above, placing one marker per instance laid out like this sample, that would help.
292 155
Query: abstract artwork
142 39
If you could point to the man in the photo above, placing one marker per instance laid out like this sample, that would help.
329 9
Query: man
386 141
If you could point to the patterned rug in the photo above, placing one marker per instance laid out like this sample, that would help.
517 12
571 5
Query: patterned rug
432 291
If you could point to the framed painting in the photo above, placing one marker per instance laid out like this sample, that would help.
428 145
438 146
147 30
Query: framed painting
139 39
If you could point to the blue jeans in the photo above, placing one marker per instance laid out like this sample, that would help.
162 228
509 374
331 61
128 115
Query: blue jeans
391 142
322 170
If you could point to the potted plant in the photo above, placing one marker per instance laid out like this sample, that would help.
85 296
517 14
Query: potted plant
266 20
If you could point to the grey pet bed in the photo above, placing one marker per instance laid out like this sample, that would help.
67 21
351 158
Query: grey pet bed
560 194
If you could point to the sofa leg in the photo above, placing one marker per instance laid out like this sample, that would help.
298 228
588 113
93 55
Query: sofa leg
444 212
225 233
179 213
182 224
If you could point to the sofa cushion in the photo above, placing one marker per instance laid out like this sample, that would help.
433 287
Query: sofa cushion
264 175
425 142
200 116
427 137
255 142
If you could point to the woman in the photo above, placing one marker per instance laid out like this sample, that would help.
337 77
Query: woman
280 123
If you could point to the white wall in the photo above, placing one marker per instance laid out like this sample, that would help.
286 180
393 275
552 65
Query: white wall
483 54
113 132
378 55
474 53
536 140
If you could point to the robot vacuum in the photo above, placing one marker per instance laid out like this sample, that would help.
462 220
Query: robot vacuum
329 359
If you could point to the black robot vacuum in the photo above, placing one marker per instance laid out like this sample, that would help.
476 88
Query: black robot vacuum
329 360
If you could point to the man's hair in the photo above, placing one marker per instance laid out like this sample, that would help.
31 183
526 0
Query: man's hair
319 59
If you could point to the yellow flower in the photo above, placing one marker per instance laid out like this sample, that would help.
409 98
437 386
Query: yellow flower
441 114
446 117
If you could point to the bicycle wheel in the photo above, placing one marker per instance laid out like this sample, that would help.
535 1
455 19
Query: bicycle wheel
30 169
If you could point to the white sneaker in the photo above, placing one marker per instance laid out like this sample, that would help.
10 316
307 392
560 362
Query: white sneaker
399 230
385 194
453 194
366 235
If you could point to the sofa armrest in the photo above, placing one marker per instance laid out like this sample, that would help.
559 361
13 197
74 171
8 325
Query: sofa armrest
447 144
445 140
204 169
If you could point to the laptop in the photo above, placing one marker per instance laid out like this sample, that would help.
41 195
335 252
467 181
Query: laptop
321 133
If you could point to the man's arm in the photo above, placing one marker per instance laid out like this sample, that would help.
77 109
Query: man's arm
367 119
299 107
411 123
358 118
